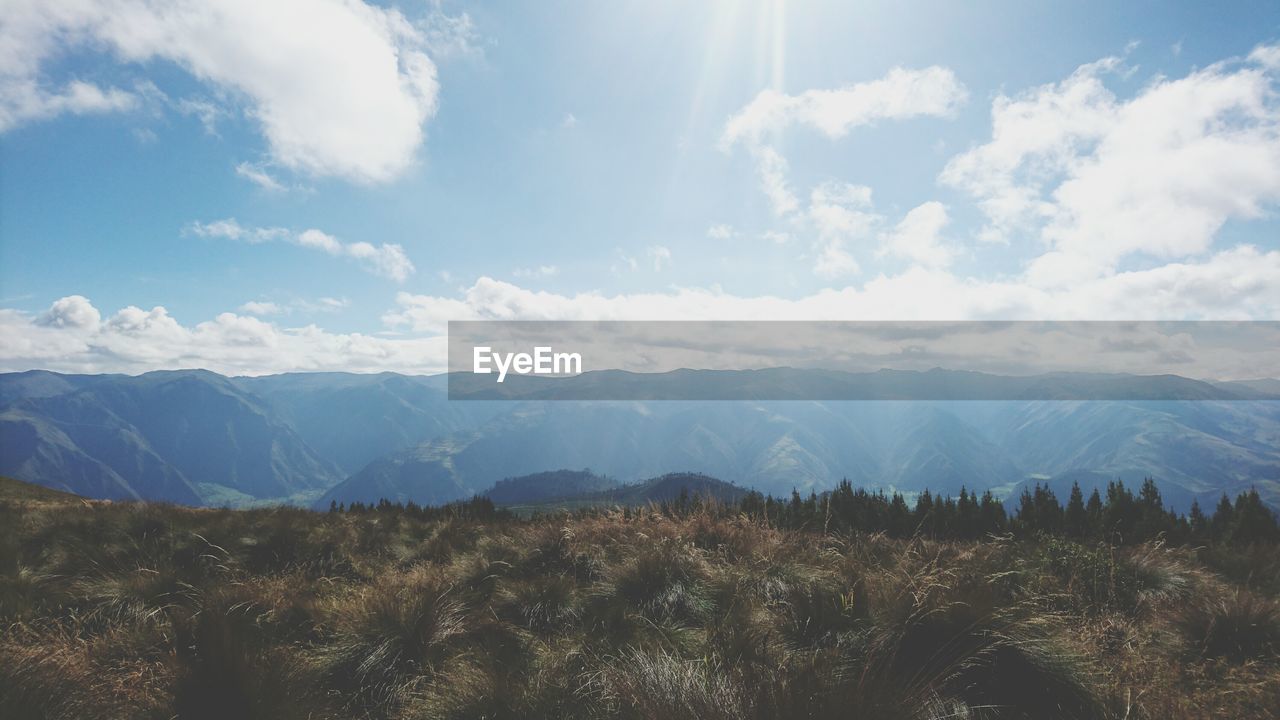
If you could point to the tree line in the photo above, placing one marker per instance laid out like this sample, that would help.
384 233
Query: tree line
1118 516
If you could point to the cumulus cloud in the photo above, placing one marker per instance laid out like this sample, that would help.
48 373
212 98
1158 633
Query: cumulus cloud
839 213
1098 179
347 98
1237 284
72 337
73 311
918 237
385 259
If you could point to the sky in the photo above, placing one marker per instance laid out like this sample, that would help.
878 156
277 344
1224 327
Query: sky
259 187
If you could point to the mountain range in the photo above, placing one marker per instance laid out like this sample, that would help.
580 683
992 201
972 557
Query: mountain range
199 438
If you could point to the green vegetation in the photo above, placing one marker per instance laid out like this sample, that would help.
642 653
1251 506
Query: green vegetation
688 608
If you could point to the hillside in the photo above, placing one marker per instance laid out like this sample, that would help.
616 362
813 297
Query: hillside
668 488
180 436
11 489
546 486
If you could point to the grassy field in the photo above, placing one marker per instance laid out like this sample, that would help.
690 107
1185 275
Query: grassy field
148 611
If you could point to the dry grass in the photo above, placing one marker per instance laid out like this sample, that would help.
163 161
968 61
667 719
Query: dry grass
122 611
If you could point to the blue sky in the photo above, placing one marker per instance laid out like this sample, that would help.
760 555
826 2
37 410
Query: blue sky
323 185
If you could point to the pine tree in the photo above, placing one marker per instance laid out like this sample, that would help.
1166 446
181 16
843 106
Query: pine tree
1076 519
1199 523
1223 519
1094 511
924 516
1152 520
899 519
1254 522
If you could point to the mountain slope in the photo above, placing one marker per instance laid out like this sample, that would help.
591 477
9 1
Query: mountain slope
352 420
194 436
165 435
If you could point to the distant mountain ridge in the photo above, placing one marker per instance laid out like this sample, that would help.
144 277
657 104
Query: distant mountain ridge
164 435
195 437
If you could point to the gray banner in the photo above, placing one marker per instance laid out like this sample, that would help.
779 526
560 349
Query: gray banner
749 360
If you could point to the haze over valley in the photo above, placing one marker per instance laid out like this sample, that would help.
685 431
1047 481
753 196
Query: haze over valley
199 438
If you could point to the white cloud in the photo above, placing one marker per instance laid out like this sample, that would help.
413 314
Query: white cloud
540 271
624 262
841 213
385 259
136 340
256 307
73 311
263 308
1098 179
569 121
27 101
318 240
450 36
71 336
205 111
257 175
900 94
328 304
346 98
776 237
1266 55
918 237
229 229
720 232
773 168
660 255
1237 284
834 261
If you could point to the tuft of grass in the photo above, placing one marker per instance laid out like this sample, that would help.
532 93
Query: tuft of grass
390 638
662 580
944 644
1237 628
226 666
653 685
